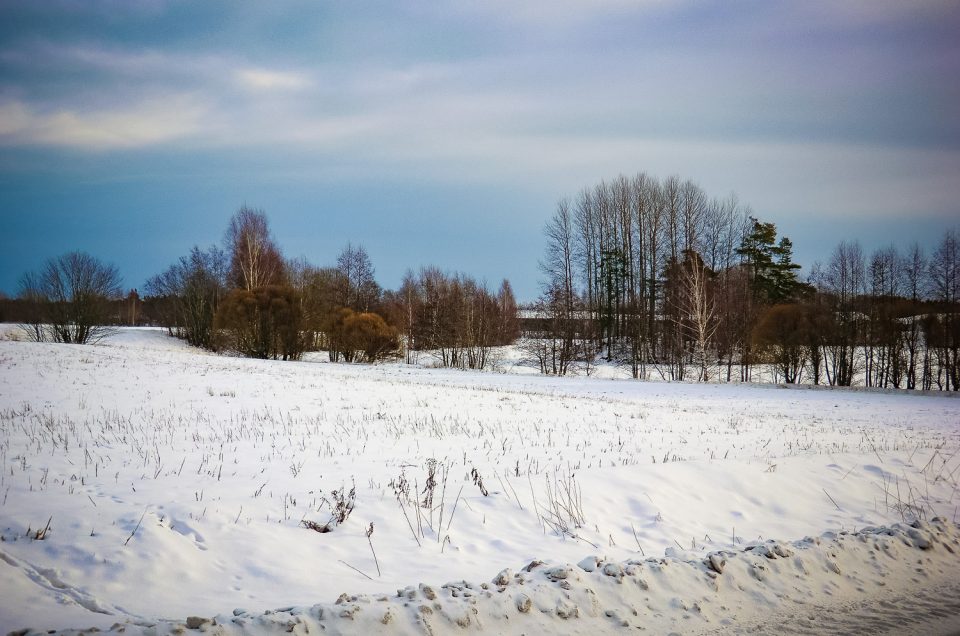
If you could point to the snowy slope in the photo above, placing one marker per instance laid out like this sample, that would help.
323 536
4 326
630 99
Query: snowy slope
175 481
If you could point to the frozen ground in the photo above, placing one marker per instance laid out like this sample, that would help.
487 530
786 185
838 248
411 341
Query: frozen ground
175 483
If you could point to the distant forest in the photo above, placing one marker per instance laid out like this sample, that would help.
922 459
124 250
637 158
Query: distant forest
657 275
650 274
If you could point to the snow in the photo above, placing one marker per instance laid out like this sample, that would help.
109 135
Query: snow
176 481
903 578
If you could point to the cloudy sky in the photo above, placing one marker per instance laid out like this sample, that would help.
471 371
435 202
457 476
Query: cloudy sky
444 133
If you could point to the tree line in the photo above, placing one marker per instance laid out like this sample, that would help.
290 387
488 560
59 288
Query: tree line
648 273
245 297
656 275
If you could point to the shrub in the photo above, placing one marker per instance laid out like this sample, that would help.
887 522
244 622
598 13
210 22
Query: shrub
360 337
70 299
262 323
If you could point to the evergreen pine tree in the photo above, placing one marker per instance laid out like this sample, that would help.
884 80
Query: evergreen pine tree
773 273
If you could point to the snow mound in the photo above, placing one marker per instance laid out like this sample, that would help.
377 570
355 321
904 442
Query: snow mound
899 578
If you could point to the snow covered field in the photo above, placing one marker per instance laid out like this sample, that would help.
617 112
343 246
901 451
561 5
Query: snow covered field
178 483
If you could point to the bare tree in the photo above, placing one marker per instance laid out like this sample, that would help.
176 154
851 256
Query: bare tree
255 260
558 338
190 292
693 212
557 264
674 224
844 280
73 293
32 297
944 276
318 289
650 224
508 323
408 303
359 290
884 360
914 266
698 310
554 345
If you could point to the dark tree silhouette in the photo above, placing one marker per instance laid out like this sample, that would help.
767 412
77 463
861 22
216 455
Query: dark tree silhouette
72 295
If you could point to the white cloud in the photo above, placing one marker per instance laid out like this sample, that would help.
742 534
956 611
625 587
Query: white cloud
260 79
150 65
149 123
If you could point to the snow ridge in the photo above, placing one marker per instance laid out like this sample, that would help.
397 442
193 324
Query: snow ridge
876 579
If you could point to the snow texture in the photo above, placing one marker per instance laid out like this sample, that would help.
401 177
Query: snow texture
900 579
169 483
